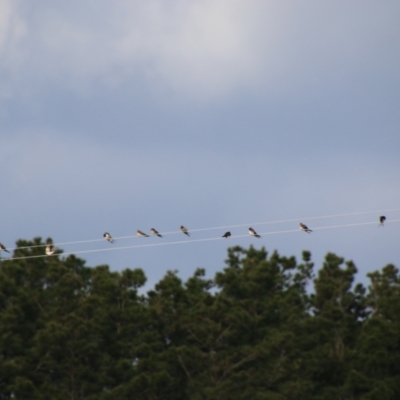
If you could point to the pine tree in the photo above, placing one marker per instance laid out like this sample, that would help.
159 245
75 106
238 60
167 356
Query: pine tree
376 372
331 334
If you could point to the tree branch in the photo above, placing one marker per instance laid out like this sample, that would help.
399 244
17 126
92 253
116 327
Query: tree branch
220 336
238 364
184 367
190 331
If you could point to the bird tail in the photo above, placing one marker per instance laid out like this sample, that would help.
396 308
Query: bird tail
257 235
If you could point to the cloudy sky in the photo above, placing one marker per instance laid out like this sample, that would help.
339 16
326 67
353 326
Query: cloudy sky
124 115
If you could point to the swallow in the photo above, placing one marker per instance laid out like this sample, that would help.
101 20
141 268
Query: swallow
382 220
252 232
140 233
3 248
108 237
226 235
304 228
50 249
155 232
184 230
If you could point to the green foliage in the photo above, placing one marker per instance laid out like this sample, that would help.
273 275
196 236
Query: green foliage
255 331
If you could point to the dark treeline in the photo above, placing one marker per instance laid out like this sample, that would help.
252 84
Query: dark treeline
265 328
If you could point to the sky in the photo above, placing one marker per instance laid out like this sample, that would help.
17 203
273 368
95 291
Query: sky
125 115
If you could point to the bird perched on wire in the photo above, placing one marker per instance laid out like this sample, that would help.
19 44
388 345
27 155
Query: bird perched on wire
155 232
226 235
108 237
184 230
252 232
3 248
50 249
304 228
140 233
382 220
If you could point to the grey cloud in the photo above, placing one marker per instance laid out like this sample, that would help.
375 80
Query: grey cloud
200 50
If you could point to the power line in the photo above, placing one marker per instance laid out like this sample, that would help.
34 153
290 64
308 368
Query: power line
297 219
189 241
219 227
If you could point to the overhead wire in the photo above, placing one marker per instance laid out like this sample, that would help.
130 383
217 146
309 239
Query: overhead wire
296 219
116 238
114 248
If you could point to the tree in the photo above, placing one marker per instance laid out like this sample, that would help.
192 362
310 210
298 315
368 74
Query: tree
240 342
376 373
330 336
255 331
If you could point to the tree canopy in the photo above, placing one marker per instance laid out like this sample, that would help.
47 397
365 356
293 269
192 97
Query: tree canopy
267 327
